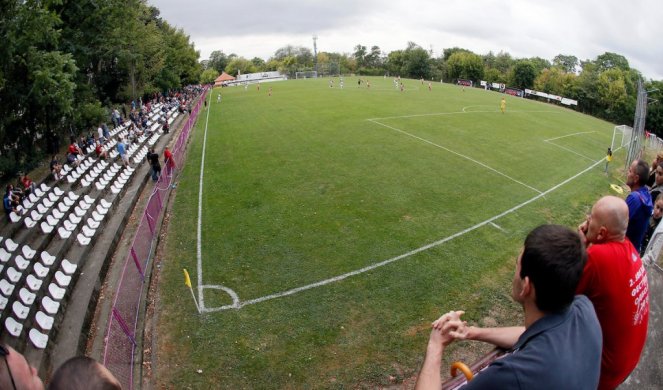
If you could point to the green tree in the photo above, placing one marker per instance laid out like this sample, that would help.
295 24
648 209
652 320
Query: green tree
417 63
359 55
609 60
566 63
465 65
240 64
218 60
523 74
208 76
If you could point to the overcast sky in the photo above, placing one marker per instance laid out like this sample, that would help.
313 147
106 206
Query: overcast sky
523 28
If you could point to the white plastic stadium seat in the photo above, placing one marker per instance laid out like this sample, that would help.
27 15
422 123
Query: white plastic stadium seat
46 228
33 283
52 197
62 279
34 214
69 226
56 292
6 288
13 275
44 187
72 195
57 215
46 202
58 191
73 218
92 223
68 202
52 220
13 327
28 252
88 232
97 217
14 217
105 203
41 209
63 233
82 239
20 311
44 320
38 339
47 258
10 245
50 306
79 211
4 255
88 199
40 270
68 267
3 302
21 263
26 296
29 222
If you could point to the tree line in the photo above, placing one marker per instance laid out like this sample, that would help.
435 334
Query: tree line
65 63
605 87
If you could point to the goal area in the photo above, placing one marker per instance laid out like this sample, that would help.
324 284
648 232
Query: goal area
309 74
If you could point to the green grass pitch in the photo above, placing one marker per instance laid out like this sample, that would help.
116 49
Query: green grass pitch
417 200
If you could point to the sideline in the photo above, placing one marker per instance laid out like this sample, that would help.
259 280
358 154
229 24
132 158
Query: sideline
237 303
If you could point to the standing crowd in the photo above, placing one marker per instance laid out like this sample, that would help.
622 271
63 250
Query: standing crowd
584 296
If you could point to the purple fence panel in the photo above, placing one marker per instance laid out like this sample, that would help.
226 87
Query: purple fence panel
120 348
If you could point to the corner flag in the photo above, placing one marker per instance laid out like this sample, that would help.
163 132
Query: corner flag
187 282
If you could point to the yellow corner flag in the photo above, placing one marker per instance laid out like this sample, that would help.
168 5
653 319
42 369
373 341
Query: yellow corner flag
187 281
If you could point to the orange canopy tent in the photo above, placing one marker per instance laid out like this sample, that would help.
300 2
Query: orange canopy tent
222 79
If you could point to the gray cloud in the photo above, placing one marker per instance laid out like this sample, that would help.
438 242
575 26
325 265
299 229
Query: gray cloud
524 28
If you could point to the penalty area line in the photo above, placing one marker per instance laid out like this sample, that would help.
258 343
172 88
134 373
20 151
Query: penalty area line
240 304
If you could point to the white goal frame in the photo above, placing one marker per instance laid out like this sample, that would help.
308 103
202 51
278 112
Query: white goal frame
309 74
621 136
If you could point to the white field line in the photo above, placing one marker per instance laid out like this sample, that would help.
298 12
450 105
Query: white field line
567 149
496 226
199 255
569 135
456 153
570 150
238 304
459 112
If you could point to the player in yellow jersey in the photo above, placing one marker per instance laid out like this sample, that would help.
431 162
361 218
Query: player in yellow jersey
503 105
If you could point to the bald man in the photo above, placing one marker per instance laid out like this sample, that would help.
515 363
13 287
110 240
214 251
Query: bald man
615 280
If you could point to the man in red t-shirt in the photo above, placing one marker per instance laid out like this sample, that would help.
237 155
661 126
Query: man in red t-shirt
615 280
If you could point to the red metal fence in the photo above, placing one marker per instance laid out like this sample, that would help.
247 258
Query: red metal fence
121 341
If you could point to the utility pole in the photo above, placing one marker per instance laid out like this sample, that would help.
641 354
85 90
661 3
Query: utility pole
315 53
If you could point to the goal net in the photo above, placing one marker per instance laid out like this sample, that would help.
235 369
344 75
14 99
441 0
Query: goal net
309 74
621 137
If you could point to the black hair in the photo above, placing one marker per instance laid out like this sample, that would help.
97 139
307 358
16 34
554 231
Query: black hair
642 171
553 259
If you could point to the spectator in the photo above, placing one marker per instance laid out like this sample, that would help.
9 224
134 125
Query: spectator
122 150
27 183
615 280
560 344
656 189
652 172
56 168
639 203
16 373
83 373
10 201
106 131
166 126
653 223
100 131
168 160
155 166
99 151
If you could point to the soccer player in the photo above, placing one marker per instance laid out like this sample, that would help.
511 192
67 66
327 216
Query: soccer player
430 86
608 158
503 105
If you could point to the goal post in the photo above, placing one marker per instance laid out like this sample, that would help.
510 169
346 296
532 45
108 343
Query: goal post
309 74
621 137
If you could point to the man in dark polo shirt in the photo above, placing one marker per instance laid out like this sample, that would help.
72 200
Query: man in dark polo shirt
559 346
